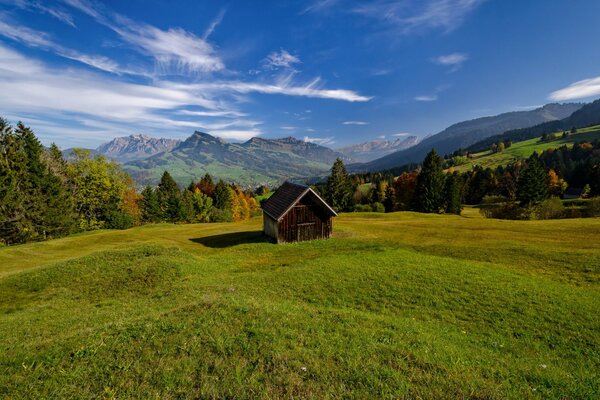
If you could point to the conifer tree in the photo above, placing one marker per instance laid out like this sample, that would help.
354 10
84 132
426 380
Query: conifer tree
13 164
169 198
390 198
222 196
532 187
339 186
429 192
150 206
452 194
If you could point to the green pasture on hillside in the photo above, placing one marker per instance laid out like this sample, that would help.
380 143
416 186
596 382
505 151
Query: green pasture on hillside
400 305
526 148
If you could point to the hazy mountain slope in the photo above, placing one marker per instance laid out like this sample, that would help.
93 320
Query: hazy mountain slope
135 147
463 134
368 151
254 162
586 116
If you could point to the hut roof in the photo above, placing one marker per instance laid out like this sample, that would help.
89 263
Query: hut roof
287 196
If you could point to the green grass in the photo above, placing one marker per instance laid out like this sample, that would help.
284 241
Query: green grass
396 305
526 148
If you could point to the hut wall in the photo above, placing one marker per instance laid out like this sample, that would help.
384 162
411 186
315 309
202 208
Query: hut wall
270 226
305 221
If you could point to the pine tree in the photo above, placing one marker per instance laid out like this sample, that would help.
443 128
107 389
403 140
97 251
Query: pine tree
206 185
150 206
429 192
532 187
169 198
13 164
390 198
339 186
452 194
222 196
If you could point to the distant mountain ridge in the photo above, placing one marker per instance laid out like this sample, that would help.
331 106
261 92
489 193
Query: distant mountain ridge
368 151
257 161
463 134
587 115
135 147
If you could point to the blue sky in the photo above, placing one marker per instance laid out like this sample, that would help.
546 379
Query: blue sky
336 72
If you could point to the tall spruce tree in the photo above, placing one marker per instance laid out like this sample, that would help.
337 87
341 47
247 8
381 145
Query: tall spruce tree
429 192
339 186
150 206
452 194
222 196
13 164
169 198
532 186
390 198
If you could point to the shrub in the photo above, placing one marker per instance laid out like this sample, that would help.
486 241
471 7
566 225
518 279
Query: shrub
593 207
116 219
508 210
551 208
362 208
218 215
378 207
492 199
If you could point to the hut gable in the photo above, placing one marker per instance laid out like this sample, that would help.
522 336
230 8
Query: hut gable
296 213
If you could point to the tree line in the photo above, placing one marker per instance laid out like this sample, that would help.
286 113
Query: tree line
519 190
43 195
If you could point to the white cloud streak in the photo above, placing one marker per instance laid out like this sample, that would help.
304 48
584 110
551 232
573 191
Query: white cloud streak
236 134
578 90
427 98
429 14
454 60
213 25
33 38
175 50
36 6
280 59
321 141
355 123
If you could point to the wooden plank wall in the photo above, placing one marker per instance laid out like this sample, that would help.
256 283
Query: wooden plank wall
306 221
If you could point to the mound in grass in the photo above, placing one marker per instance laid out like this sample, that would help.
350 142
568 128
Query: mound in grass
142 271
390 308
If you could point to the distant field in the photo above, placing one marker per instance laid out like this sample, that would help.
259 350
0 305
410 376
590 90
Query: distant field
526 148
395 305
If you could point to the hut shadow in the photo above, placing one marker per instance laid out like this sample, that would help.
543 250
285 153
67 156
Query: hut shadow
232 239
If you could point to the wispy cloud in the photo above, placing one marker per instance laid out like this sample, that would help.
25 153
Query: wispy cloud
322 141
288 128
212 113
410 16
213 25
319 6
39 7
236 134
427 98
578 90
42 40
286 87
401 134
175 50
280 59
454 60
355 123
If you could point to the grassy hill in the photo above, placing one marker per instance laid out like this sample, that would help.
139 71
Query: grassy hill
526 148
395 305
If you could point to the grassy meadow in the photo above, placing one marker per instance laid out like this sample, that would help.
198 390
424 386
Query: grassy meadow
524 149
399 305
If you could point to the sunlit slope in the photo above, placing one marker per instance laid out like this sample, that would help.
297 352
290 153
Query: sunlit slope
526 148
394 305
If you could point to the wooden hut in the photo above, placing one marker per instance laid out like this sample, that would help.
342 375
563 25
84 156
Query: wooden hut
295 213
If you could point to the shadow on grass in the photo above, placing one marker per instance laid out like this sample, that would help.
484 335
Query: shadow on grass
232 239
